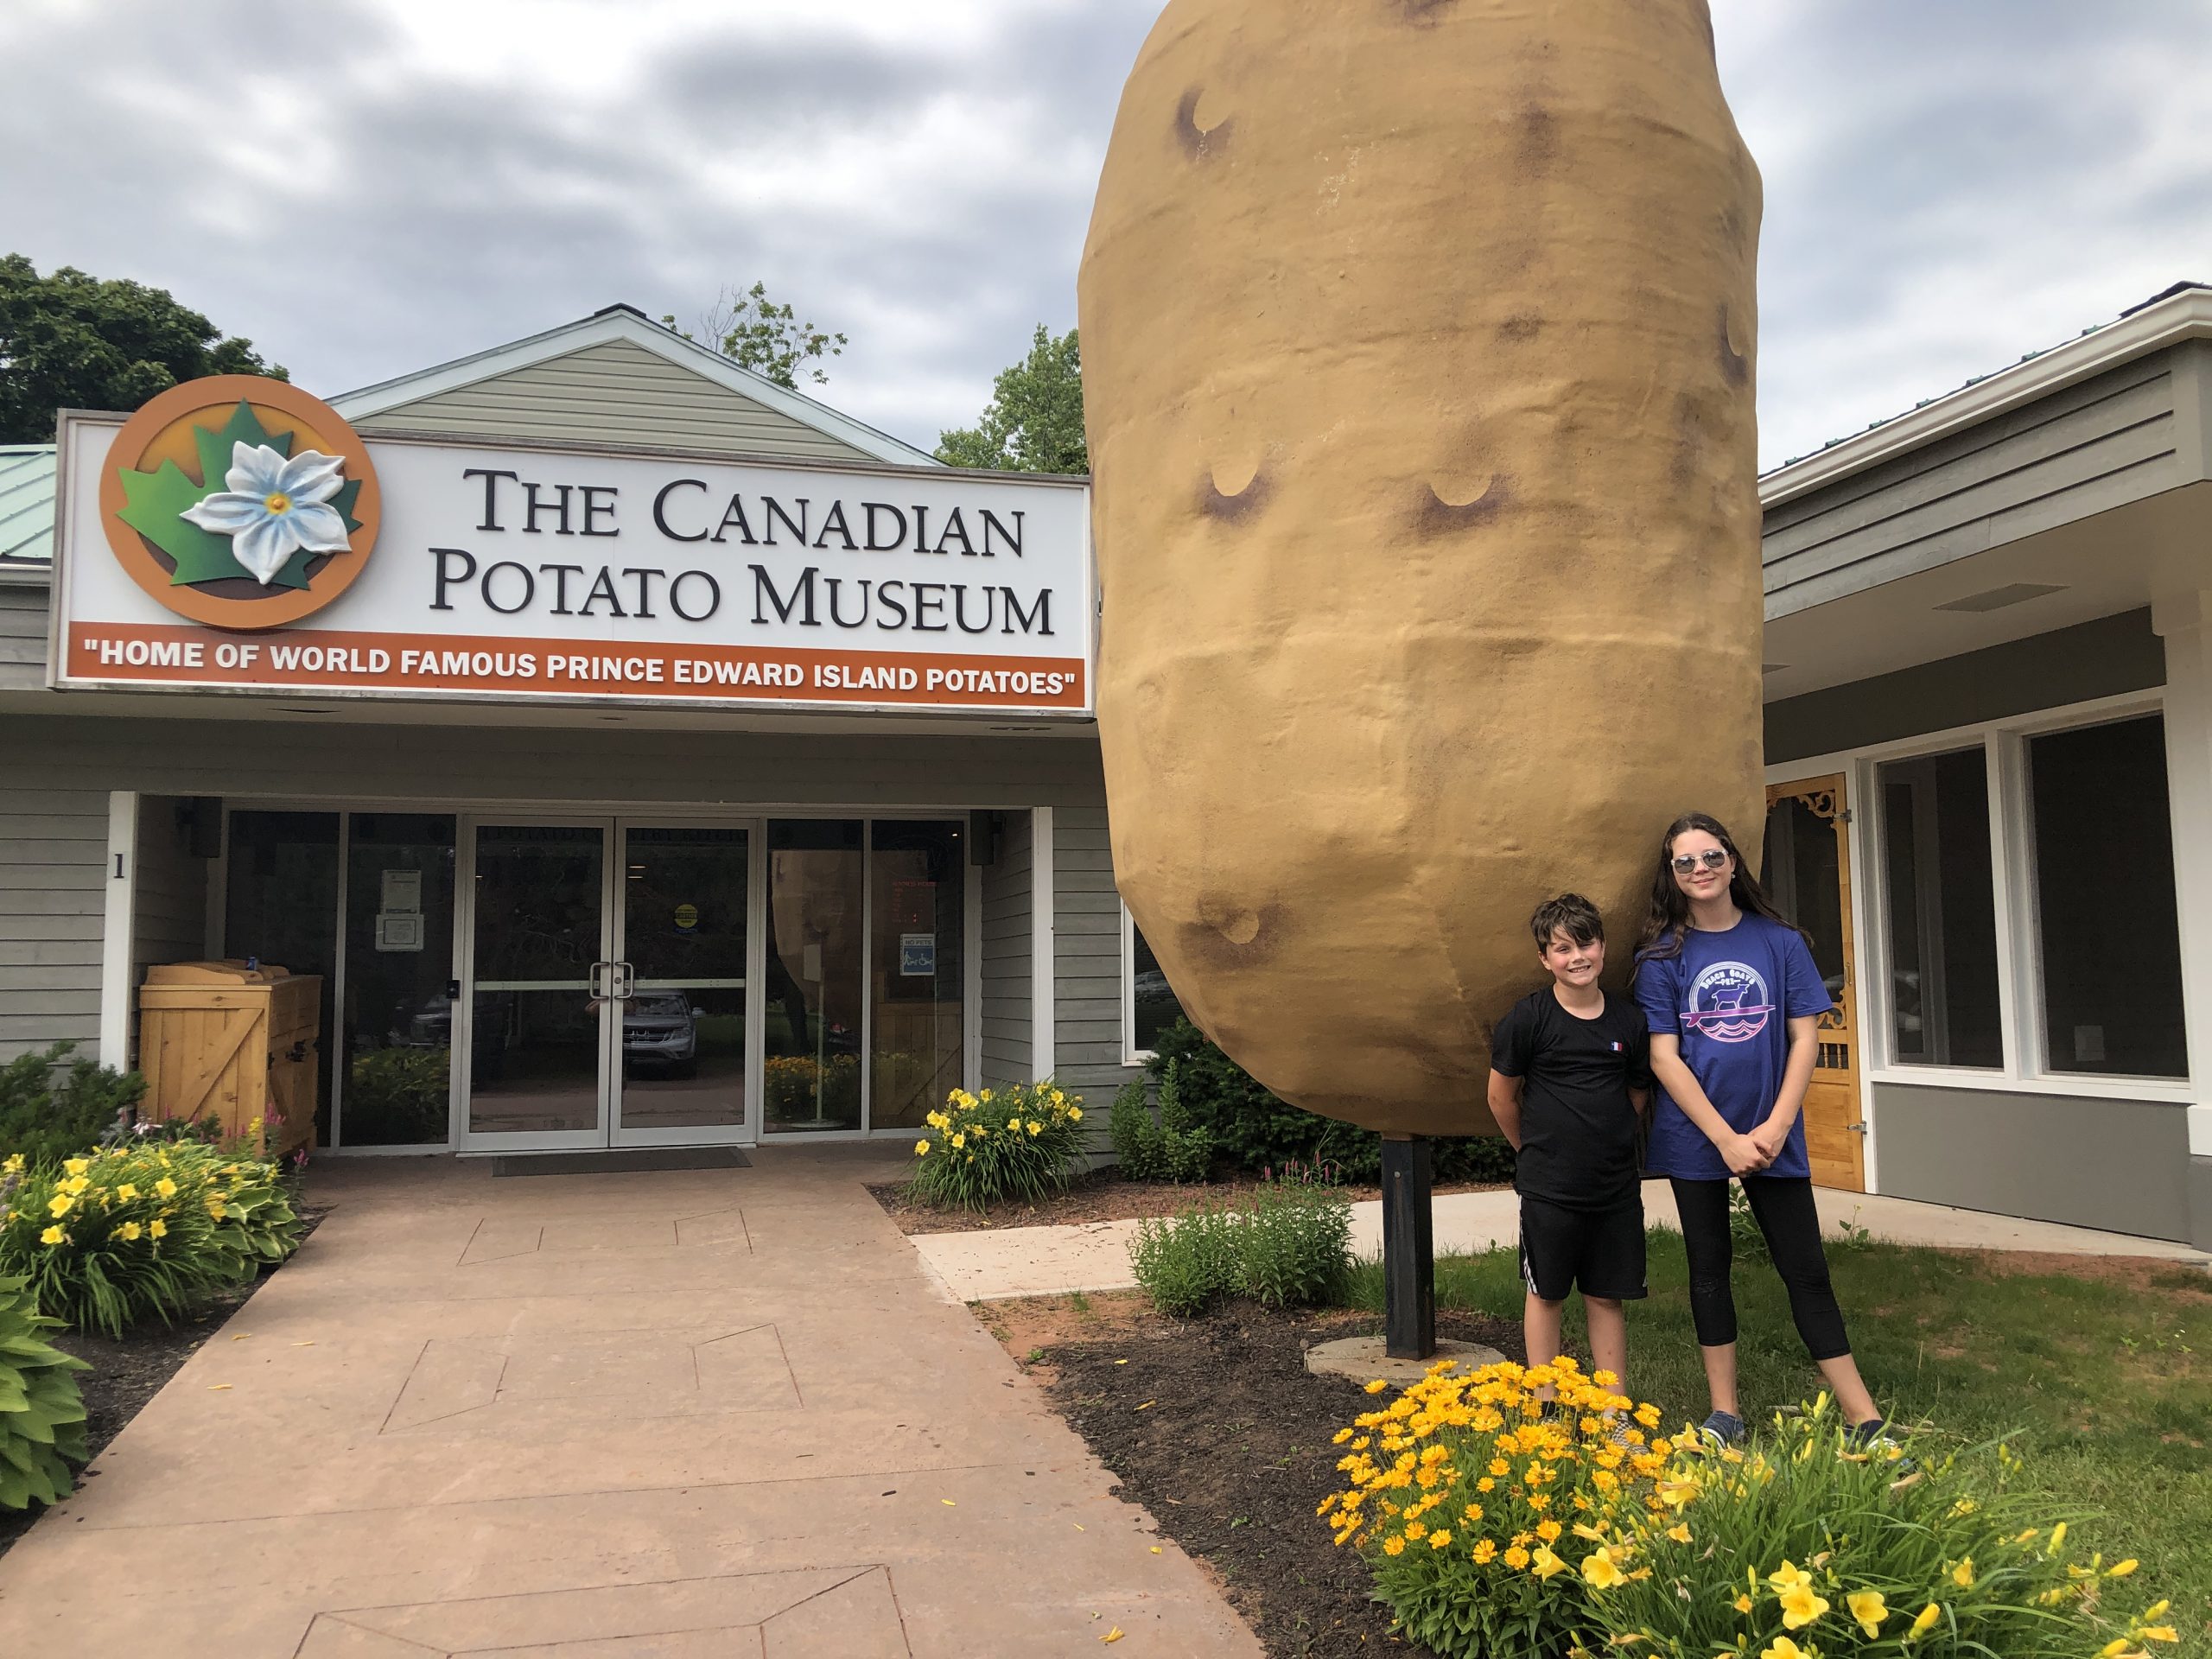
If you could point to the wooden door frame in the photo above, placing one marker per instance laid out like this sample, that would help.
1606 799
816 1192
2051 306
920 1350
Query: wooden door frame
1840 779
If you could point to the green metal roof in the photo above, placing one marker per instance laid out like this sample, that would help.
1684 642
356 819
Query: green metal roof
25 503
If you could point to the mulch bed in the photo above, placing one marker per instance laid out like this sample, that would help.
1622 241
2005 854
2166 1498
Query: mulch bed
1217 1428
1102 1195
130 1371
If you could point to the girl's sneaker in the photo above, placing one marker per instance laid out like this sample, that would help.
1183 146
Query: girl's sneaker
1722 1428
1873 1437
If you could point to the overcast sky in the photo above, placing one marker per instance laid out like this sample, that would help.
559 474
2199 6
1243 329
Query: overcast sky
370 187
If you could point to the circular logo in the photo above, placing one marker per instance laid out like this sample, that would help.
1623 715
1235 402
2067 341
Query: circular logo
1729 1003
687 917
241 502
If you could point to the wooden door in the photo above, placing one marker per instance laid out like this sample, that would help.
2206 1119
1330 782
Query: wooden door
1806 870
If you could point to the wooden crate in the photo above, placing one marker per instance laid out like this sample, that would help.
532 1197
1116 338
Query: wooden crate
219 1039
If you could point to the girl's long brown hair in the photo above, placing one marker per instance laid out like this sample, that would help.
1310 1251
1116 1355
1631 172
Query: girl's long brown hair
1669 918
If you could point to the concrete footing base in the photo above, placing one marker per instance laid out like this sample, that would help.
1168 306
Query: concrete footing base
1362 1359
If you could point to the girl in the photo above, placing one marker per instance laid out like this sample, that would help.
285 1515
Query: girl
1732 999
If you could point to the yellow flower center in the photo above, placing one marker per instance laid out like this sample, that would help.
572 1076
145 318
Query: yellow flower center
277 503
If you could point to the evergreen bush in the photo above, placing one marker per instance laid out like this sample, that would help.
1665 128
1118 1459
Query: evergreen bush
52 1107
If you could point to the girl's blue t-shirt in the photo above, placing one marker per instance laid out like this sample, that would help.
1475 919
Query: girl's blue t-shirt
1730 997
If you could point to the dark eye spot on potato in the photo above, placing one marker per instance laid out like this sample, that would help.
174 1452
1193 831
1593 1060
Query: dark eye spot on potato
1539 135
1199 142
1230 935
1521 328
1735 365
1434 516
1426 13
1232 505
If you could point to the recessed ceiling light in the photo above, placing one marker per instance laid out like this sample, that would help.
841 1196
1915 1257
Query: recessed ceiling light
1997 598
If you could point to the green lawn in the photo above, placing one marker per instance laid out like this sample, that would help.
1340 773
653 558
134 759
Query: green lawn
2108 1385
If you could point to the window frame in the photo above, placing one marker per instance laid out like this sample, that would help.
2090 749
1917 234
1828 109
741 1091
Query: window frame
2018 941
1132 1056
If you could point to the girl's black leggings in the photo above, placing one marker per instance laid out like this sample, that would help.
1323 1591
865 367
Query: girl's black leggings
1784 1208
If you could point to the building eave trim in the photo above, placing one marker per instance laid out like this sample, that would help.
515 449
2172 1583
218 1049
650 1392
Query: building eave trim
2185 316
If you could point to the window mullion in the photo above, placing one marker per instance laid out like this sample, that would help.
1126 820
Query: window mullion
2017 973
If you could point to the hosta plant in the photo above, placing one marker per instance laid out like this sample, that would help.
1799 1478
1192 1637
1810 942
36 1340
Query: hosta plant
1017 1143
1482 1507
1805 1545
41 1418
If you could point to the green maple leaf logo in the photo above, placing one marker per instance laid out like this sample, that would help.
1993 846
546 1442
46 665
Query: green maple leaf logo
153 504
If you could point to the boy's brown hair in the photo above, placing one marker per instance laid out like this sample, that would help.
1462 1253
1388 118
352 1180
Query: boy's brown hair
1570 913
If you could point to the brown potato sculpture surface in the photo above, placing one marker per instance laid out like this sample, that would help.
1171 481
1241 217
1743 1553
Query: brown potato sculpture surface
1417 342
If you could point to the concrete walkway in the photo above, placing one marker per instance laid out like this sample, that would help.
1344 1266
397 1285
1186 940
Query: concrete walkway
677 1415
988 1266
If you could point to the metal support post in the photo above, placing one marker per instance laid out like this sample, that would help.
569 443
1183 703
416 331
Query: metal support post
1409 1248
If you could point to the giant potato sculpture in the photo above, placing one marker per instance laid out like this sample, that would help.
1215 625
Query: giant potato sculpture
1417 343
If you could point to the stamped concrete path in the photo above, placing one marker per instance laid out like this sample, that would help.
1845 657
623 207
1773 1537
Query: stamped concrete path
690 1415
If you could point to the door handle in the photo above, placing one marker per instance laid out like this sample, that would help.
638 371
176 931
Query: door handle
626 979
600 971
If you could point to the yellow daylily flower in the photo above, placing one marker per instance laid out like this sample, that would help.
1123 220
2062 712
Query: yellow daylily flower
129 1231
1800 1606
77 1165
1868 1607
921 1148
1600 1571
1962 1575
1788 1576
1784 1648
158 1228
59 1204
1545 1564
1924 1622
165 1187
52 1236
126 1192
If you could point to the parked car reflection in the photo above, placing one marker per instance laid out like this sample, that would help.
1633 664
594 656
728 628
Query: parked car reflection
660 1031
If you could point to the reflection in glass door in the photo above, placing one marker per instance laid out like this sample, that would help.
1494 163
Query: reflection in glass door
537 1011
681 977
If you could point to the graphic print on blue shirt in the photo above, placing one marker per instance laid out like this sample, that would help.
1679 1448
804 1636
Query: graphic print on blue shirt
1729 997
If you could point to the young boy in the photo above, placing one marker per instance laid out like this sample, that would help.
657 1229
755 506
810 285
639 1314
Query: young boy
1570 1077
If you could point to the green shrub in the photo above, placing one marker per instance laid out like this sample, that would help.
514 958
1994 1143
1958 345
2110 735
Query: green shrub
1019 1143
1187 1263
129 1232
1135 1135
42 1416
1285 1245
1166 1147
1261 1134
52 1107
1803 1545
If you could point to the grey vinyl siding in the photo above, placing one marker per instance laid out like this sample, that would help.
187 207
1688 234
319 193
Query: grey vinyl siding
52 906
22 636
2107 657
168 921
2120 1165
1008 957
613 392
1086 957
2108 440
2200 1202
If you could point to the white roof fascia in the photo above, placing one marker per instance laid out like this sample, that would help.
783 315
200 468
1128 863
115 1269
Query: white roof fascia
620 324
2186 315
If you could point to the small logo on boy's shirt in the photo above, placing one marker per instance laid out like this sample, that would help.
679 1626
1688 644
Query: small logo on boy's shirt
1618 1048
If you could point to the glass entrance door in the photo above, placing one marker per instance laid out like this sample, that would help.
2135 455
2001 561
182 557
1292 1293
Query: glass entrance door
607 984
685 941
539 1009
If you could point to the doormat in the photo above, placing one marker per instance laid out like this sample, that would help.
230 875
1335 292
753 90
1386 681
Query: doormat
621 1160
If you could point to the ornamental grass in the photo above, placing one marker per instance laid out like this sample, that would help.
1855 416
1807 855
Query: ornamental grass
1483 1508
144 1230
1803 1547
1014 1144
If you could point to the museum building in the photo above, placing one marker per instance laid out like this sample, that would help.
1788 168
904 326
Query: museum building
688 763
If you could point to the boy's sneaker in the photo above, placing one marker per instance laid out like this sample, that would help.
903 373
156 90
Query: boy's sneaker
1722 1428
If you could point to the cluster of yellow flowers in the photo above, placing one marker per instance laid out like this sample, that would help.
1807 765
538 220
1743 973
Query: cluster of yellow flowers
967 1117
98 1187
1504 1465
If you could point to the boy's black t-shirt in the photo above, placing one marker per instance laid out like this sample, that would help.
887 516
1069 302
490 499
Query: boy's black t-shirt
1578 1126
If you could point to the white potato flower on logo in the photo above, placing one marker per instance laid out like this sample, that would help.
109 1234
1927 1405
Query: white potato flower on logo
273 507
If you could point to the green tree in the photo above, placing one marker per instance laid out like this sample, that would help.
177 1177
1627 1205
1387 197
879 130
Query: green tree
68 340
755 333
1033 422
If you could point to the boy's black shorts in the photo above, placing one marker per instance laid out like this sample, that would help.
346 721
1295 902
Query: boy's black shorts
1598 1252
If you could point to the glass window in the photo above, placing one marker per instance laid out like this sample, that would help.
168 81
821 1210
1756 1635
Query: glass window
1801 870
2107 933
1153 1008
919 920
811 1012
399 1027
685 892
1942 920
281 909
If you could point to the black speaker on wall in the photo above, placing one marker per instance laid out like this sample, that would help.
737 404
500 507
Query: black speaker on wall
202 819
984 830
